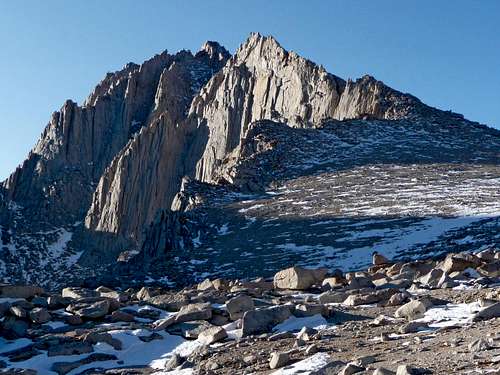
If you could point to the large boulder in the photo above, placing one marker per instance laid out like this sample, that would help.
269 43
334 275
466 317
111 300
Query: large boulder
194 311
169 302
77 293
489 312
411 310
299 278
39 315
238 305
459 262
90 308
211 335
264 319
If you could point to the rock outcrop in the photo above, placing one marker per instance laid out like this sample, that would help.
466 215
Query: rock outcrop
58 177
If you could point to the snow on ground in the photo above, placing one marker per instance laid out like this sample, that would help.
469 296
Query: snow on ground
307 366
450 315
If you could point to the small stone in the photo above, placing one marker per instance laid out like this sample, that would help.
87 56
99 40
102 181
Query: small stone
211 335
351 368
278 360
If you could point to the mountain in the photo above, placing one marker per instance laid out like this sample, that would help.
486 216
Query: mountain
211 164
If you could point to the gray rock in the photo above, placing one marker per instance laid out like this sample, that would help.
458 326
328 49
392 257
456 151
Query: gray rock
78 293
39 315
351 368
489 312
169 302
279 360
89 308
195 311
411 311
298 278
211 335
238 305
262 320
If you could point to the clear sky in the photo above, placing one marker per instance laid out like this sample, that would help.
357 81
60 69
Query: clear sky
447 53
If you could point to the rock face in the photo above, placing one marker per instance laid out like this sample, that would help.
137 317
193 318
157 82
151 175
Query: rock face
57 179
160 155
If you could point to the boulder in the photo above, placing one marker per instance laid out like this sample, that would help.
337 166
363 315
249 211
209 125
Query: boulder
332 297
411 310
298 278
379 259
491 269
262 320
211 335
39 315
459 262
78 293
238 305
489 312
194 311
122 316
169 302
90 308
279 360
432 279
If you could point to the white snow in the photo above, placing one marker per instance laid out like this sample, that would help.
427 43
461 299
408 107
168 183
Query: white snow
307 366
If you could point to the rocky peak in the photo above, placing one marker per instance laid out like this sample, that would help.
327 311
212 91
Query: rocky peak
214 51
368 97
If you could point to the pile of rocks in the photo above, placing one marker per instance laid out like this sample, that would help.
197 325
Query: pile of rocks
323 320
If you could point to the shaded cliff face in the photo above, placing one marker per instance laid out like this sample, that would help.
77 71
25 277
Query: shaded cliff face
146 174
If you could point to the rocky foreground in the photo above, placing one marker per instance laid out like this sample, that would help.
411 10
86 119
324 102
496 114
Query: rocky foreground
420 317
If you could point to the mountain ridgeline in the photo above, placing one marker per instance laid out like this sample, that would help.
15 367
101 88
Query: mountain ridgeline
136 172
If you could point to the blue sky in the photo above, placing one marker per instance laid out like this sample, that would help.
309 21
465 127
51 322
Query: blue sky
447 53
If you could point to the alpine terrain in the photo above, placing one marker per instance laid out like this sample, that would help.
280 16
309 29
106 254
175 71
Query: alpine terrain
212 213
